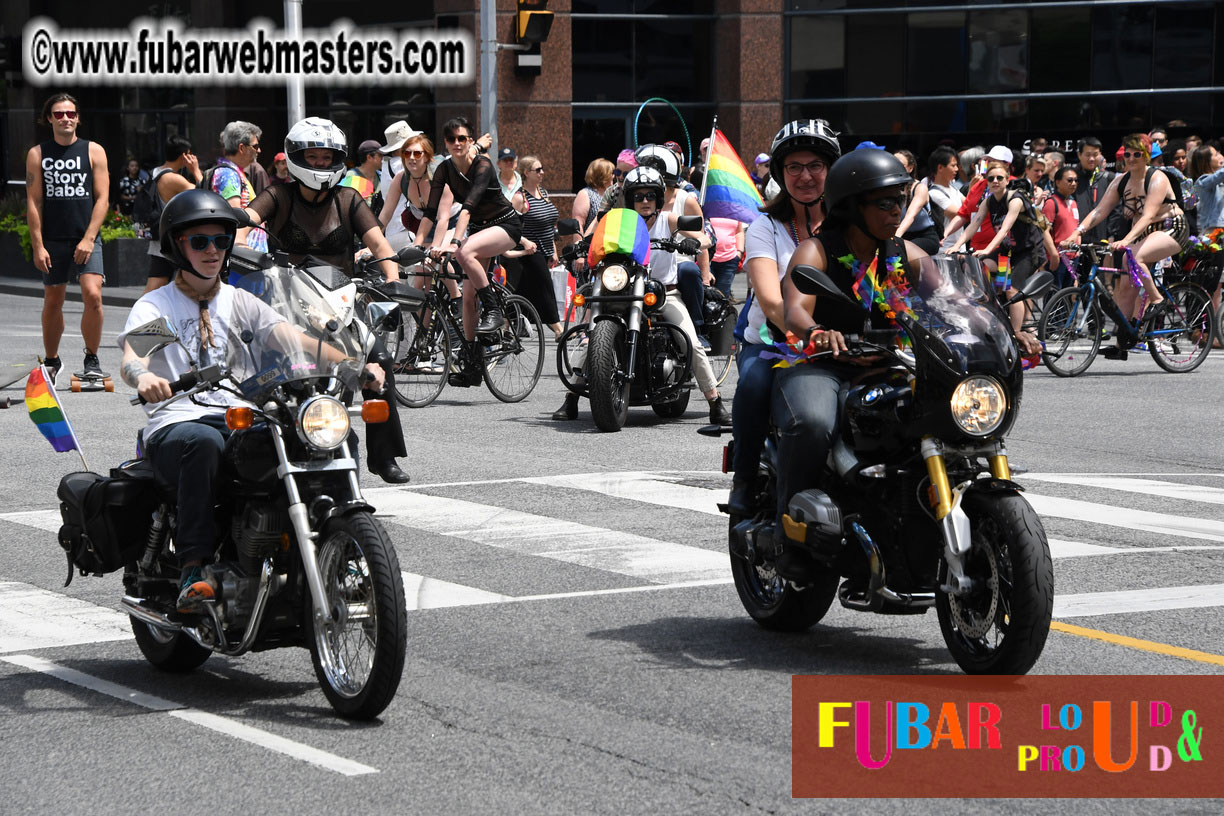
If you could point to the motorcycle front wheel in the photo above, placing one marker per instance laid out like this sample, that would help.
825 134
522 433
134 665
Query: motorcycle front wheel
359 656
607 386
775 603
1001 625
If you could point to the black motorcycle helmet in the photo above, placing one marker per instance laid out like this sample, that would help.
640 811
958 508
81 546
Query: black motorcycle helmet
802 134
188 209
643 178
858 172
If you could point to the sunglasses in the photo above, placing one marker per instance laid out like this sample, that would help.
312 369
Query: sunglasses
537 169
64 114
201 242
795 169
617 173
457 139
887 203
255 147
1129 155
638 198
996 178
1072 180
412 154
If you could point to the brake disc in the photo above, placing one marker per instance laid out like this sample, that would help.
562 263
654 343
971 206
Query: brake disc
969 621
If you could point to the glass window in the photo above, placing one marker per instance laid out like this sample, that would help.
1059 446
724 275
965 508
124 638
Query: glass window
818 57
998 51
1059 55
1183 46
1122 47
936 53
875 44
1194 109
672 59
603 65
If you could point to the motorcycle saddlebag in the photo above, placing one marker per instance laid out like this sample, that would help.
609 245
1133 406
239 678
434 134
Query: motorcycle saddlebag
106 519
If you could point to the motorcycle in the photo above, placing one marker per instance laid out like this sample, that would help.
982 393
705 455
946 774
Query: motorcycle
917 507
301 561
632 357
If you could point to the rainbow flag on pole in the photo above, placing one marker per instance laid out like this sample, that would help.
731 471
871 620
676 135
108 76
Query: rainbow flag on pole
47 413
727 190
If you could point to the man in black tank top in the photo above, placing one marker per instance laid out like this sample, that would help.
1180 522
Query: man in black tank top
67 190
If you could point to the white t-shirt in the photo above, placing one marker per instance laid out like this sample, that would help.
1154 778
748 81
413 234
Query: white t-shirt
945 197
663 264
767 238
230 307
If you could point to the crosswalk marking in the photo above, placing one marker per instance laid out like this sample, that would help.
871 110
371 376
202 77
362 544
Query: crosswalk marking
1088 604
634 556
33 618
1146 520
1129 484
651 488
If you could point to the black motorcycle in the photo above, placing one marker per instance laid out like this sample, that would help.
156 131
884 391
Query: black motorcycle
917 507
624 352
302 561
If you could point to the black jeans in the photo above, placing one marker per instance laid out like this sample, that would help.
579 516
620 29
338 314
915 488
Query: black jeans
188 455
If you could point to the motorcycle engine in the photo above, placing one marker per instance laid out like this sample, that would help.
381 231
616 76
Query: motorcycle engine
664 358
257 530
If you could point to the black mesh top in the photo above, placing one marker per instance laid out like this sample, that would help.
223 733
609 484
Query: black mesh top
325 230
478 191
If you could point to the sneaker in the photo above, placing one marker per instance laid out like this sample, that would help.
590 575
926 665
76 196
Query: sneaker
193 592
1114 353
92 366
53 364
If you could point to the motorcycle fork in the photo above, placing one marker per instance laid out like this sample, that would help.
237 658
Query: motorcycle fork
953 522
633 327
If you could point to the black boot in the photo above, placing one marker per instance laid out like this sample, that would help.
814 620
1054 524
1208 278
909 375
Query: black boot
569 410
491 317
740 501
389 472
719 415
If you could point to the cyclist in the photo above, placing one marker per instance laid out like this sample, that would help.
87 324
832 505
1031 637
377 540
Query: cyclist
800 157
1158 226
311 216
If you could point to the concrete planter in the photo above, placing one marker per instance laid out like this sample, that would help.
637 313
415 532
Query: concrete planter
12 260
126 261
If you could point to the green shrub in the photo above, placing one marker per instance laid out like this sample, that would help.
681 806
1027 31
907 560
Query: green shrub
13 219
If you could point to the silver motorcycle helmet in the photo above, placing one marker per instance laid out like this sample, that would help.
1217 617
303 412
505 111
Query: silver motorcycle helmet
643 178
315 132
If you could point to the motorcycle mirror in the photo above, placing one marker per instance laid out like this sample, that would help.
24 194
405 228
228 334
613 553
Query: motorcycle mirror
690 223
812 281
244 220
382 314
410 255
568 226
151 337
1036 286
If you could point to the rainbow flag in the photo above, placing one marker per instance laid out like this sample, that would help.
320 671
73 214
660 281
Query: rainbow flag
361 184
46 412
727 190
620 232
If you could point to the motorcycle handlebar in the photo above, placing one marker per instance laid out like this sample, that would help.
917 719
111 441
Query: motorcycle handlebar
188 380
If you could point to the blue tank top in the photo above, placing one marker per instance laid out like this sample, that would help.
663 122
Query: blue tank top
68 194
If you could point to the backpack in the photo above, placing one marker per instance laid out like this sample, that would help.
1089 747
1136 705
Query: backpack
936 212
147 208
207 179
1174 182
1030 214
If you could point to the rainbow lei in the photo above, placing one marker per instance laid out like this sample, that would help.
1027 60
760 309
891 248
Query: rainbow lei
892 294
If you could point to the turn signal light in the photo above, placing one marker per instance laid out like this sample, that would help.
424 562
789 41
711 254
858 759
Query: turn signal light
650 298
238 418
579 300
375 411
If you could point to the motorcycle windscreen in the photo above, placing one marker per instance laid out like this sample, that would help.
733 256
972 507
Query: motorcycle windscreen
620 232
310 336
952 304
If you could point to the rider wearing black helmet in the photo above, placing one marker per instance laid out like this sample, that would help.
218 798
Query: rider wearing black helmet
864 193
184 440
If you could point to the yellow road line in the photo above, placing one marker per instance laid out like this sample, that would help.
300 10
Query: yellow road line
1136 643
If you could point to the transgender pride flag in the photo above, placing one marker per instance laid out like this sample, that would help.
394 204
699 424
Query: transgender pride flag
727 190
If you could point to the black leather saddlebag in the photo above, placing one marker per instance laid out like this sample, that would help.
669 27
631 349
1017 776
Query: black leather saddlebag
106 519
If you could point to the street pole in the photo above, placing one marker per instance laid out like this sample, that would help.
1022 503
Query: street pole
488 70
294 85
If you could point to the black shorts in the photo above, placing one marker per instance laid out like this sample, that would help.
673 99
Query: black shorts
62 264
511 222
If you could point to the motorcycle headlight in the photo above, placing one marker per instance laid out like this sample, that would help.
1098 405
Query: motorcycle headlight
979 406
614 278
323 423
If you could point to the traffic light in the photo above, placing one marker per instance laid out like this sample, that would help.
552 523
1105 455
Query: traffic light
532 22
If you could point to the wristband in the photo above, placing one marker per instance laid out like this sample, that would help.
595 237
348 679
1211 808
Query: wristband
456 241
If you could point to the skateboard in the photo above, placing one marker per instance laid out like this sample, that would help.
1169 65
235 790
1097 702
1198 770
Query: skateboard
7 378
92 381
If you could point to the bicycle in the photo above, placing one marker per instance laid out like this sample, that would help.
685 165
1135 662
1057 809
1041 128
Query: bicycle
432 351
1178 336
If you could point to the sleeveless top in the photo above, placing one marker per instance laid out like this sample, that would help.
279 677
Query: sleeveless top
1024 236
539 222
830 314
68 194
663 264
325 230
593 199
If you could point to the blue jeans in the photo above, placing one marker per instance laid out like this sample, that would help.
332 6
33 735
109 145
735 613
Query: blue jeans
806 400
724 274
188 455
750 410
692 291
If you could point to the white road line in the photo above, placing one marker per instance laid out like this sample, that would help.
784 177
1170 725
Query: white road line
647 559
1080 549
1149 487
222 725
423 592
33 618
49 520
1160 523
1138 600
650 488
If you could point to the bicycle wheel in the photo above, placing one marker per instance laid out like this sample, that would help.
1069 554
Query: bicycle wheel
723 363
423 359
514 356
1179 338
1070 333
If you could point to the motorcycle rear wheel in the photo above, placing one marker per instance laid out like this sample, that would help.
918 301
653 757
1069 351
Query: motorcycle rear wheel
775 603
359 656
1001 626
171 652
607 388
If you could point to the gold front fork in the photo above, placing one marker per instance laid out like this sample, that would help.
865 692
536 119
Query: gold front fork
932 452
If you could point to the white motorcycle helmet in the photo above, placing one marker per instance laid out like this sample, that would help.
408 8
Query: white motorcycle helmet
316 132
662 159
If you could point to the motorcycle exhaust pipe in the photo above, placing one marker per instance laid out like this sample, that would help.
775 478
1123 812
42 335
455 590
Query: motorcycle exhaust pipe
877 592
136 608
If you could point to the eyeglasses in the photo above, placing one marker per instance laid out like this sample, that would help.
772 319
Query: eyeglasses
887 203
1129 155
537 170
202 242
795 169
996 178
638 198
412 154
457 139
64 114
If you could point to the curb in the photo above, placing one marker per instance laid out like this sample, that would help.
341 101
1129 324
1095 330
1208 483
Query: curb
111 299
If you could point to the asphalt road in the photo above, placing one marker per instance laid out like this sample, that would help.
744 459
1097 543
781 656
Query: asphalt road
550 675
